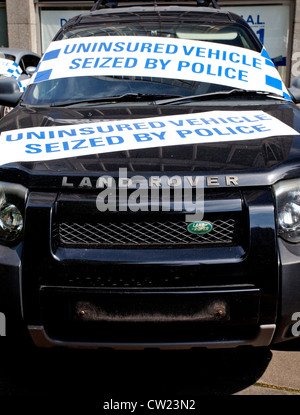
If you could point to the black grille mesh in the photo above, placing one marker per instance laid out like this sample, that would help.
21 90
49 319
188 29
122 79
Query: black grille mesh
145 234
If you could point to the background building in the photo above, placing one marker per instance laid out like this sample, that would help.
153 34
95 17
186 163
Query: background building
31 24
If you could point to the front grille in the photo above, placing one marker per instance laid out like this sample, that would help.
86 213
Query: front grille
128 234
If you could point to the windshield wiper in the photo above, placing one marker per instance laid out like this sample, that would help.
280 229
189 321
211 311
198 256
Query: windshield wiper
118 98
219 94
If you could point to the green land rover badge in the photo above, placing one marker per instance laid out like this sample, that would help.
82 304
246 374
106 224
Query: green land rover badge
200 227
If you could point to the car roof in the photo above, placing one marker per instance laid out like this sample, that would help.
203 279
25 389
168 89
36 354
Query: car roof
133 12
18 53
131 9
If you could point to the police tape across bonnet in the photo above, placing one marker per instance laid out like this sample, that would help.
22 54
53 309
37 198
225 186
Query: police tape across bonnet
57 142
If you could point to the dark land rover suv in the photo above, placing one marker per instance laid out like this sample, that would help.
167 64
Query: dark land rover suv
134 109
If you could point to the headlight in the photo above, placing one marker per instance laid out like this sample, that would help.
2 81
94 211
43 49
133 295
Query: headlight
287 195
12 204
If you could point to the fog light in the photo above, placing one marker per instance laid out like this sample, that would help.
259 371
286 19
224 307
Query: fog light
12 206
11 221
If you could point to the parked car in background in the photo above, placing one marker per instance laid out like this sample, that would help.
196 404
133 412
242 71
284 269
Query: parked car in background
19 64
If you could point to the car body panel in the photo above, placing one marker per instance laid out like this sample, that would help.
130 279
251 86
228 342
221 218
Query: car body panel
83 277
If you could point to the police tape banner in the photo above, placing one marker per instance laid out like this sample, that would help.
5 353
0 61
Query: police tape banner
23 84
173 58
57 142
10 68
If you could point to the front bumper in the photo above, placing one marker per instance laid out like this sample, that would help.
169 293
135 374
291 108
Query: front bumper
289 294
212 296
243 297
263 337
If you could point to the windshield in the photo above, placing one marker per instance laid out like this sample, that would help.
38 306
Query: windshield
166 60
90 88
7 56
227 33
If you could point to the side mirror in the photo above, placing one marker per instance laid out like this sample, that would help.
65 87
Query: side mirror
30 70
295 89
10 93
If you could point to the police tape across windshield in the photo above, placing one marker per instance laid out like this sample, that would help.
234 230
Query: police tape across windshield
173 58
57 142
